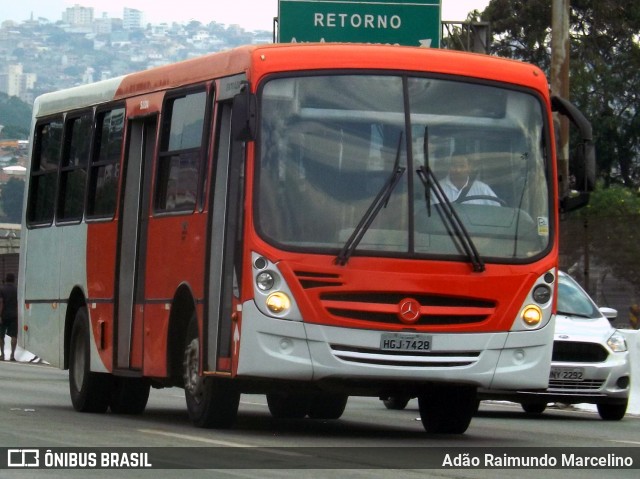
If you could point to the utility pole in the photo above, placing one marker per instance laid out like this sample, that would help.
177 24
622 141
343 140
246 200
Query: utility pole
560 84
560 49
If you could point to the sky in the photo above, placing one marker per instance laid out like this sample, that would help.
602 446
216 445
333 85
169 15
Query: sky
249 14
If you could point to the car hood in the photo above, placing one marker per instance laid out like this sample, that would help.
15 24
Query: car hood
574 328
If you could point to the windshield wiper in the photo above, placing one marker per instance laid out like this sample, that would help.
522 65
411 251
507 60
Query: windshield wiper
431 183
380 201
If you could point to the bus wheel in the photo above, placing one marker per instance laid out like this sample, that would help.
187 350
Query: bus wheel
447 409
89 391
211 402
288 406
327 406
129 395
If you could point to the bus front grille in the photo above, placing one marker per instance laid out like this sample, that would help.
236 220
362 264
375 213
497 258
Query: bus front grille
386 307
414 359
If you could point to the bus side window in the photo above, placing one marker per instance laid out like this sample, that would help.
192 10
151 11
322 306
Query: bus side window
180 156
73 172
105 164
44 173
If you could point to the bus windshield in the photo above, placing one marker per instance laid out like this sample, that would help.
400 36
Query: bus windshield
328 145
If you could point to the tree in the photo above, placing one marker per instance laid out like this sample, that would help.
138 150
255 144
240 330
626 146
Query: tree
15 115
605 68
522 30
605 231
606 74
604 84
11 197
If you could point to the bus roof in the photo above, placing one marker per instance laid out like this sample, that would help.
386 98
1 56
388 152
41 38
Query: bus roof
258 60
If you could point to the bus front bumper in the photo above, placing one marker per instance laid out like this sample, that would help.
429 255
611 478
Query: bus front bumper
297 351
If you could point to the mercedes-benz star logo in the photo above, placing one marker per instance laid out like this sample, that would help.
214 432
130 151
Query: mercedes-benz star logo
409 311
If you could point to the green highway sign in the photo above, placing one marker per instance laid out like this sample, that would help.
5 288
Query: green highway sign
402 22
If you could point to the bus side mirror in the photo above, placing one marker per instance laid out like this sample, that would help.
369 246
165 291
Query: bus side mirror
574 201
582 165
243 119
583 173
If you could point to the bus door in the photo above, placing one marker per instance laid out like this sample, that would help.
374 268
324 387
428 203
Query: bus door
224 262
132 239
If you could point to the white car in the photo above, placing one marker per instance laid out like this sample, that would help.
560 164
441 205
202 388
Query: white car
590 361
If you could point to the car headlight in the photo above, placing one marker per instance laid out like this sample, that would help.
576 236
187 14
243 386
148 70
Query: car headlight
617 342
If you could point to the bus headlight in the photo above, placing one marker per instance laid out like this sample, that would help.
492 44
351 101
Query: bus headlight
265 280
541 294
278 302
532 315
271 293
536 310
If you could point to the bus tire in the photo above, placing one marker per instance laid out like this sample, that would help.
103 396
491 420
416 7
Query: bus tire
129 395
89 391
447 409
327 406
288 405
211 402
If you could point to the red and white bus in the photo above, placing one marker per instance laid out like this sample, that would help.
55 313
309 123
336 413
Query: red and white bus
272 219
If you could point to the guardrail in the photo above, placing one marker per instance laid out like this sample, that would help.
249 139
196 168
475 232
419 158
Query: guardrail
633 342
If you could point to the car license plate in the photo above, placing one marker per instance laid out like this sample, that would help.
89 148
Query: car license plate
566 374
405 342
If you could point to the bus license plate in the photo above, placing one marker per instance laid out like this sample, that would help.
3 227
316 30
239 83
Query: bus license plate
405 342
566 374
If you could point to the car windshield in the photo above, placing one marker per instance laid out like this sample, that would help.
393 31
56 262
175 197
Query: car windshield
364 164
573 301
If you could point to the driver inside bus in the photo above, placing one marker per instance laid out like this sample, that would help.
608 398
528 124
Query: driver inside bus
461 183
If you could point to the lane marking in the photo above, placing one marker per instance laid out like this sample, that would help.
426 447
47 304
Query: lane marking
188 437
625 442
221 443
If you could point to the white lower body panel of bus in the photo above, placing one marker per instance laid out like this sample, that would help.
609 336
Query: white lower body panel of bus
292 350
